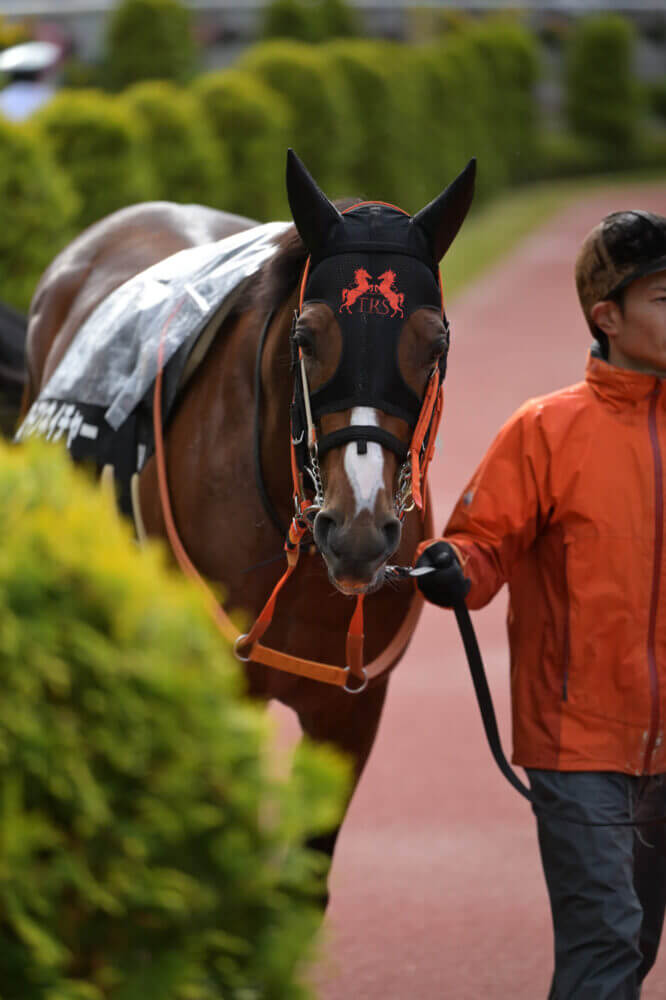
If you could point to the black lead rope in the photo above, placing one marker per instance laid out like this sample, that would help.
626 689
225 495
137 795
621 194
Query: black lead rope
489 720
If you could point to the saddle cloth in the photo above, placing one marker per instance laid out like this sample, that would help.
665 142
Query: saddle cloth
99 398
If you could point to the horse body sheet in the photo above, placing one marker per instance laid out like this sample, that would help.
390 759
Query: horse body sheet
112 361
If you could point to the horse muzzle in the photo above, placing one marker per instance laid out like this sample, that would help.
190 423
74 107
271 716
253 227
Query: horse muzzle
356 551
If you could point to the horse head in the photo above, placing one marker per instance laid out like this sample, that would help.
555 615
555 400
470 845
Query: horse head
365 369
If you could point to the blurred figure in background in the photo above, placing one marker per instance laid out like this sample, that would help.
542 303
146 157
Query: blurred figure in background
29 67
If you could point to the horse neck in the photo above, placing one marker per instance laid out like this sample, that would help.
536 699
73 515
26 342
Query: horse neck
277 390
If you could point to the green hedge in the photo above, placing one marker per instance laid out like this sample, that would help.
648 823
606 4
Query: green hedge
370 118
38 208
148 40
188 163
100 145
252 122
309 20
603 99
451 140
146 851
287 19
511 56
656 96
466 94
373 169
318 103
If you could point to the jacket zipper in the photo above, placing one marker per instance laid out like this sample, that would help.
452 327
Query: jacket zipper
565 653
656 574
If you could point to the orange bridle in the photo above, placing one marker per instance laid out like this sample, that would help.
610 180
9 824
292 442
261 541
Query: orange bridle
248 646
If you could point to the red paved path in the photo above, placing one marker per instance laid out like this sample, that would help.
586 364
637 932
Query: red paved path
437 890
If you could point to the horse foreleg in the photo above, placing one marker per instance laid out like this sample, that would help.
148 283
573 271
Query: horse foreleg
350 723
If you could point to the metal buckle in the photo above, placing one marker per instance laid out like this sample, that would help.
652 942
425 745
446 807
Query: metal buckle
239 642
358 689
310 512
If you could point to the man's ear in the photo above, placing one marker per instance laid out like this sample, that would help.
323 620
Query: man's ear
607 315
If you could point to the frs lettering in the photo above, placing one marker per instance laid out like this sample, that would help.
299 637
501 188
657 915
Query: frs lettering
371 305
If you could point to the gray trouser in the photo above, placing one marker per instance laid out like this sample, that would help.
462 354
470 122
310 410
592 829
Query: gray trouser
607 885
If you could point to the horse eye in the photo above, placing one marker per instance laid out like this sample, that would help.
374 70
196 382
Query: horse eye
303 338
438 348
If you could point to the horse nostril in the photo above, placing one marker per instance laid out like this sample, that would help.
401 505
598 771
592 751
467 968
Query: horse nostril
324 530
392 529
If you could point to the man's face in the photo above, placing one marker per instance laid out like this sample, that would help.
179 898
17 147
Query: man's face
637 330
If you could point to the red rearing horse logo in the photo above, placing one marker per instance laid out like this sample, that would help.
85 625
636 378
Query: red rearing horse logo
385 297
363 284
385 287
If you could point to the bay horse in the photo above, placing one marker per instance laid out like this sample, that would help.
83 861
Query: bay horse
216 498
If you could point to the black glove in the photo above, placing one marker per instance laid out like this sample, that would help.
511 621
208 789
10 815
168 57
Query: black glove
447 584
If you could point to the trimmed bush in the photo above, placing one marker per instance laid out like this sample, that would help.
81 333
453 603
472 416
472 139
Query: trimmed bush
146 850
511 56
99 143
77 74
467 101
656 92
287 19
188 164
251 121
603 99
309 20
447 145
561 154
335 19
407 117
316 99
37 211
149 40
373 169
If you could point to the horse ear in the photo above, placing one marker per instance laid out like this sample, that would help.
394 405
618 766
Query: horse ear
312 212
444 216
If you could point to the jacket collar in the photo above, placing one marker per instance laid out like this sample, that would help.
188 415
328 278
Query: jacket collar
619 386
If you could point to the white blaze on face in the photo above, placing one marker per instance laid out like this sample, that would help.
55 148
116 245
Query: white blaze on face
364 472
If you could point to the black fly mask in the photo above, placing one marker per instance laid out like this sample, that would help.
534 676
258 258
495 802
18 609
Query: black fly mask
373 266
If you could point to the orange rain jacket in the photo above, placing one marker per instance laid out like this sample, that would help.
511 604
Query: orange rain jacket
568 507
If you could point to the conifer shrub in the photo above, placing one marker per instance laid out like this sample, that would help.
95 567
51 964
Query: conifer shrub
411 122
335 19
310 20
447 146
251 121
146 848
98 141
287 19
373 168
511 55
466 92
604 102
316 99
37 211
149 40
189 163
656 93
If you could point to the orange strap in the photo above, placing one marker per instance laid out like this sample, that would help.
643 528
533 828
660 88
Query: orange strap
429 419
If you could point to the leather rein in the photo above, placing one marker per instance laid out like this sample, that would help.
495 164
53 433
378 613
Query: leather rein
411 492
